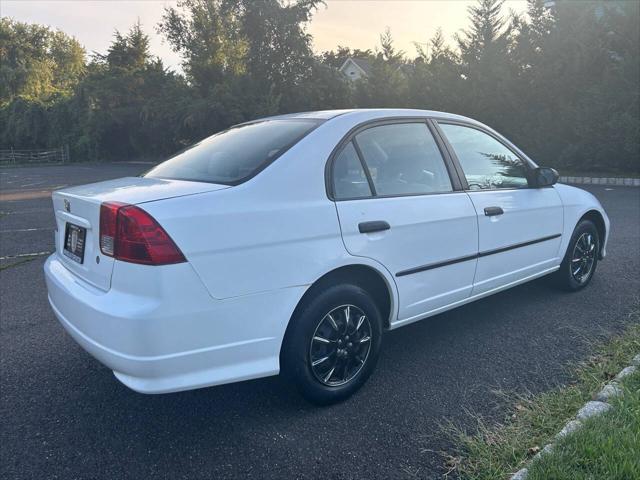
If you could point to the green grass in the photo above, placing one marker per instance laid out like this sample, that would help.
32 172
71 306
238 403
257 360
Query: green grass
607 446
497 450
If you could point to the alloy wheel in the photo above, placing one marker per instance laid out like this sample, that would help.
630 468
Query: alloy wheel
340 345
583 258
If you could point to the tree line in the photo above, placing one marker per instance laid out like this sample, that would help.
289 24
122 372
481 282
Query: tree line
561 82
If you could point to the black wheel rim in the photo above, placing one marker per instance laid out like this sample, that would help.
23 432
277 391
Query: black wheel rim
583 258
340 345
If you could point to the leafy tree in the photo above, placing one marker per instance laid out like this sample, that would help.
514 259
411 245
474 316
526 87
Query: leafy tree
325 88
36 62
279 53
386 84
563 83
590 74
264 43
129 105
209 36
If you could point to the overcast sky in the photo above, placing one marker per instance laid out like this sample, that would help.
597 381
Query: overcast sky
354 23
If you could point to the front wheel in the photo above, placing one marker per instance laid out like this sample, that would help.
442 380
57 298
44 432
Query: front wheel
580 261
333 343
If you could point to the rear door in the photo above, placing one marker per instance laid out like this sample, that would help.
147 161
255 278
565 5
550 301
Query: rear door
401 204
519 227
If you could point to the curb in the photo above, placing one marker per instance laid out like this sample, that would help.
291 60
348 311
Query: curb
590 409
606 181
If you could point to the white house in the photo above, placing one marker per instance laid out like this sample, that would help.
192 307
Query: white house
356 68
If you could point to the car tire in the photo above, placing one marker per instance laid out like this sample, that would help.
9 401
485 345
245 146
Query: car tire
581 258
339 328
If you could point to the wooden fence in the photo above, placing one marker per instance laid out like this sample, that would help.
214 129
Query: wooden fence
13 156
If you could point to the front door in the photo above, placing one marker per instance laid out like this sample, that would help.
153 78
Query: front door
519 227
399 205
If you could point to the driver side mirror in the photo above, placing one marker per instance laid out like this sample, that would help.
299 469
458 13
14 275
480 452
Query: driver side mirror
544 177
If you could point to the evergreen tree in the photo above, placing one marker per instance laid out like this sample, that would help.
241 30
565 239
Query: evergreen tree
389 52
484 55
435 82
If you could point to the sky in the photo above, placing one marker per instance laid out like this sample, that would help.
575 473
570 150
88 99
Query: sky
354 23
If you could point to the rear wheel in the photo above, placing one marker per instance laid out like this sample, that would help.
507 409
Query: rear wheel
581 259
333 343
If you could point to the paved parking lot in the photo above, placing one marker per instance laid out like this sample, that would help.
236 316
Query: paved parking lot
63 415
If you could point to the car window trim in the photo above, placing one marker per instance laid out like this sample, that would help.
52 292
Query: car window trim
365 168
456 184
528 163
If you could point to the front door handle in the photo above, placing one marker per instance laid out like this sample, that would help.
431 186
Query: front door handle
375 226
492 211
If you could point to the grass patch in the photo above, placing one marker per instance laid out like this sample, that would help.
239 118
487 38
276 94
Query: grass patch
607 446
497 450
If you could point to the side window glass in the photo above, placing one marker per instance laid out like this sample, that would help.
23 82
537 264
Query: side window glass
349 179
487 163
403 159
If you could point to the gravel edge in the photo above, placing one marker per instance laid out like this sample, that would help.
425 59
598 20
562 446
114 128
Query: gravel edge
590 409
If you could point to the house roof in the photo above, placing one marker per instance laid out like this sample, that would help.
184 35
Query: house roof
363 64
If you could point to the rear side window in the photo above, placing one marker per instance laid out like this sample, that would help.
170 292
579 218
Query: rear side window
403 159
236 154
349 178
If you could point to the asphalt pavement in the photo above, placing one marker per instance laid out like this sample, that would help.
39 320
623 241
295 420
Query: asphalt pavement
63 415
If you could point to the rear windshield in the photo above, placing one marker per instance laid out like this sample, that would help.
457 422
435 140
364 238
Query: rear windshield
234 155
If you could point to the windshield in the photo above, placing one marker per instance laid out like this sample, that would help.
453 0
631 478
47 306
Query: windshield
236 154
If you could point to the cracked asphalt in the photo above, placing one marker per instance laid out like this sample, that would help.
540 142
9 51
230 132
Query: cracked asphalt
63 415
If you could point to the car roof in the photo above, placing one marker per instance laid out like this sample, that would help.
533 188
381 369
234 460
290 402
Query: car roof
371 113
358 116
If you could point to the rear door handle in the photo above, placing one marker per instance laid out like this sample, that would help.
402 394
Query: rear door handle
492 211
375 226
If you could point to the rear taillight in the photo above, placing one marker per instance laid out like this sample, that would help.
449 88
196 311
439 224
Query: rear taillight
130 234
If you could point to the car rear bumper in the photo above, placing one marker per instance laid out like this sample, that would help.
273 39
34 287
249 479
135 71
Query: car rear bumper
160 331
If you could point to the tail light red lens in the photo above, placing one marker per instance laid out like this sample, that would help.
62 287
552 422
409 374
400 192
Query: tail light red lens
130 234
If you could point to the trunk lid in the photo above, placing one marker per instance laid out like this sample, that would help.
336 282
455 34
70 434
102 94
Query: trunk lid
80 207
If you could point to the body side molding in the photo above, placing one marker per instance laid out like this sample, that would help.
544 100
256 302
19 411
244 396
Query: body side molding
486 253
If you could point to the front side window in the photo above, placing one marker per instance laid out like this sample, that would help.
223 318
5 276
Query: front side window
403 159
235 154
487 163
349 178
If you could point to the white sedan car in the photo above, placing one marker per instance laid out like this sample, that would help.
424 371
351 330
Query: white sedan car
291 243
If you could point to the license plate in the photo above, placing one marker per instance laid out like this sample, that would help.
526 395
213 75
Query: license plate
74 237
